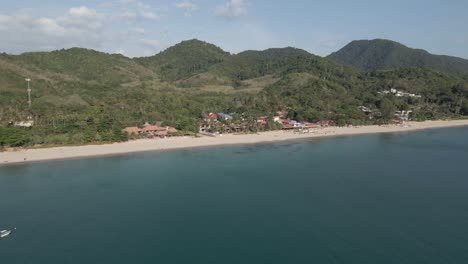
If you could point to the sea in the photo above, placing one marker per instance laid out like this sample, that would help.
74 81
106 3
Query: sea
382 198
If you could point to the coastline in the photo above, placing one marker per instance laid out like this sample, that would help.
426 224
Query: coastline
25 156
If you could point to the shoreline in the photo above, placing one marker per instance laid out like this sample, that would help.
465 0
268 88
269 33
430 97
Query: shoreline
26 156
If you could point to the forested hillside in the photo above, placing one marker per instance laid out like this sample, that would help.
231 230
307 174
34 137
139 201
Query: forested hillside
380 54
81 96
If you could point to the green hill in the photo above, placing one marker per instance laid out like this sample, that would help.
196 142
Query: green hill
184 59
380 54
82 64
252 64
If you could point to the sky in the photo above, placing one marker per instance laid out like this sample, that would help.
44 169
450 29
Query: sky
137 28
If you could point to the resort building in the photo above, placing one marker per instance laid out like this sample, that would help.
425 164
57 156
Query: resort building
132 130
24 124
150 130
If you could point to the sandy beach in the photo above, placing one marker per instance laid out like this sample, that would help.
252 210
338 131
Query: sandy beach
145 145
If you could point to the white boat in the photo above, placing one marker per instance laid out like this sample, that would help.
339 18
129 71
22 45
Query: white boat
4 233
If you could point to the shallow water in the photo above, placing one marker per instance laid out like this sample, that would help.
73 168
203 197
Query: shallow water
389 198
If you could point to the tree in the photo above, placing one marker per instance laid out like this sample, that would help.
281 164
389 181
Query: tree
387 108
464 109
13 137
341 122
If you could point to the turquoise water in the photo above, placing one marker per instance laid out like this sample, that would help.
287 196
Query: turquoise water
393 198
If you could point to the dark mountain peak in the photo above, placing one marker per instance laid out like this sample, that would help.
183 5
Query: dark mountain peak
185 59
192 46
382 54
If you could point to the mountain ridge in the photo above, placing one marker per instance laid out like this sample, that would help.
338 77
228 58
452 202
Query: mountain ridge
382 54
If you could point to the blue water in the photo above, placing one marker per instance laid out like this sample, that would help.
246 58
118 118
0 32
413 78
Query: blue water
392 198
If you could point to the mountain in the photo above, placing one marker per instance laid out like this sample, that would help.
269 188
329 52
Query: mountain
184 59
81 96
252 64
380 54
83 64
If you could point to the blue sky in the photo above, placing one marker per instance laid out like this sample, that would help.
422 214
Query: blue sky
145 27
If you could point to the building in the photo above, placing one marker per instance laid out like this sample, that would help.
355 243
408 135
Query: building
403 115
204 127
262 121
365 109
150 130
24 124
132 130
397 93
224 116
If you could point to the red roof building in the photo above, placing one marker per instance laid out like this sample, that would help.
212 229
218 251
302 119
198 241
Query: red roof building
132 130
213 116
262 120
150 129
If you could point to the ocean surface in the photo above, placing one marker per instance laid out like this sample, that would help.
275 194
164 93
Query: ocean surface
388 198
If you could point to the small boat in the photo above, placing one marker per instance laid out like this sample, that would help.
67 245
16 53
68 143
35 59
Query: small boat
4 233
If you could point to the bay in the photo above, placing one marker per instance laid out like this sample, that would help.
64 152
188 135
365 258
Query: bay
388 198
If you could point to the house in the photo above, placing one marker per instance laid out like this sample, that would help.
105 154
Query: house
262 121
365 109
294 123
277 119
225 116
285 122
282 114
211 116
25 124
400 93
132 130
204 127
171 129
151 129
287 127
403 115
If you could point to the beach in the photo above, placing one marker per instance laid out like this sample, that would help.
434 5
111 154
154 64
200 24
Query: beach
145 145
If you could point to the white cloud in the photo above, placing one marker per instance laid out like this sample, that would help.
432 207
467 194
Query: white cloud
232 9
81 18
79 26
50 27
187 6
139 11
82 11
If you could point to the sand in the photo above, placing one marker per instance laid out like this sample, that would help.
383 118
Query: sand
144 145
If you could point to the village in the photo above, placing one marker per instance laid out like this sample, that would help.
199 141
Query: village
213 124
